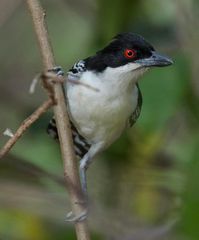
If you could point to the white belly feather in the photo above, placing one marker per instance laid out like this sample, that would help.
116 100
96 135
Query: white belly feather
101 116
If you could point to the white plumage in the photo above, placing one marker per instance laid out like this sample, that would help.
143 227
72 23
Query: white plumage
101 116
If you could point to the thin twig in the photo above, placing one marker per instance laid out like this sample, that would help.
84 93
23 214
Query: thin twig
33 117
70 164
25 125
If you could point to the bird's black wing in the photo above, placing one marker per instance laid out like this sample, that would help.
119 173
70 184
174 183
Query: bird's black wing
135 115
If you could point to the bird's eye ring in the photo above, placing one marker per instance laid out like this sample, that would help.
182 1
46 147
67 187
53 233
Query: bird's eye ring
129 53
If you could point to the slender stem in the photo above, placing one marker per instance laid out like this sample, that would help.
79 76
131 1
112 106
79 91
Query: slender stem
25 125
62 121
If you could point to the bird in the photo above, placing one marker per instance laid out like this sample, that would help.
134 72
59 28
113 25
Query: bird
103 96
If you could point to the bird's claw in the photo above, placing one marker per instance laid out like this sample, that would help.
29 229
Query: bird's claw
57 70
70 217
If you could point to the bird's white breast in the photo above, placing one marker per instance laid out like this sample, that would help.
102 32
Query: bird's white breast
101 115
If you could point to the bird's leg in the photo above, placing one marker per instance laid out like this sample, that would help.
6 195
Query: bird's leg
84 164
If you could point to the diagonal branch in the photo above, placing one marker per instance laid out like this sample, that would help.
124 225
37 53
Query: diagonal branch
62 120
48 85
25 125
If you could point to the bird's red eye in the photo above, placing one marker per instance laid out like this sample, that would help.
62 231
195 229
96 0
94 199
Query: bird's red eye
129 53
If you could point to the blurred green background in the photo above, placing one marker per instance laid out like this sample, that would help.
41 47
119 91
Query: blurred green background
146 186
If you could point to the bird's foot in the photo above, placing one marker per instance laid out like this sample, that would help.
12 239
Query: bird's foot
57 70
70 217
49 77
52 76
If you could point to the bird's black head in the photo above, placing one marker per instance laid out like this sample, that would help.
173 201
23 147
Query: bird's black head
127 48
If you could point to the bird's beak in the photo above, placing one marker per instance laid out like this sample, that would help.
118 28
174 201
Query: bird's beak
155 60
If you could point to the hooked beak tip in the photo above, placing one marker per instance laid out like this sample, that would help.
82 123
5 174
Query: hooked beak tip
156 60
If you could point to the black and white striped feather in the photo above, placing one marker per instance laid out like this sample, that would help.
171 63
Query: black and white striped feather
80 144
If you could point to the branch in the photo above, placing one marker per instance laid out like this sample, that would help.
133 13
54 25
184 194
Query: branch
48 85
70 164
24 126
